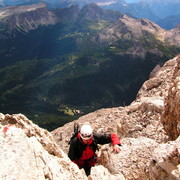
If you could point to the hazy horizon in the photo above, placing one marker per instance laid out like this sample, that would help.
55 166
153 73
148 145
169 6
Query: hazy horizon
131 1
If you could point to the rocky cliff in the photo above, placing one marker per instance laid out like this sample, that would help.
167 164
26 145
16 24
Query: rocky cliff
29 152
171 114
140 125
139 33
25 18
148 127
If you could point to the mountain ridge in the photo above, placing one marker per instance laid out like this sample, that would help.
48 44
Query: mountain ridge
26 18
103 19
172 22
152 10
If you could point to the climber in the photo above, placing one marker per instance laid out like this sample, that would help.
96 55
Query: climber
84 145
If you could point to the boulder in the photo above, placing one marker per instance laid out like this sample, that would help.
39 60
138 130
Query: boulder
165 163
101 173
29 152
132 161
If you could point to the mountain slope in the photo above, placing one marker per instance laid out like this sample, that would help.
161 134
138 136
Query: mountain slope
138 36
137 10
169 22
164 8
51 34
45 40
152 10
85 82
26 18
79 63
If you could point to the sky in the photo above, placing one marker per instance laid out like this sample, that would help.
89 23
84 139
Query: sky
131 1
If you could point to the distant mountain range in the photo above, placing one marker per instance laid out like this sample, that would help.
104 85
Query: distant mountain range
169 22
72 29
150 9
55 62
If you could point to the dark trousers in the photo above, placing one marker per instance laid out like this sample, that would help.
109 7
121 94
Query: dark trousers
87 170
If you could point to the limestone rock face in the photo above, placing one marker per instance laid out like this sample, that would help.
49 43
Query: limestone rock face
133 161
102 173
159 84
29 152
173 36
171 115
26 18
140 126
128 28
165 163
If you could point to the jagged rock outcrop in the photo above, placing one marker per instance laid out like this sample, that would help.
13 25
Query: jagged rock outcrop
102 173
128 29
165 163
26 18
171 115
133 161
173 36
29 152
139 125
94 13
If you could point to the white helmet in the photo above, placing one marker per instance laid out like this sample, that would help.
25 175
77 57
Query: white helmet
86 132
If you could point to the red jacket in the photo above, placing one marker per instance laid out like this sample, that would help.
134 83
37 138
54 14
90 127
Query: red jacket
84 154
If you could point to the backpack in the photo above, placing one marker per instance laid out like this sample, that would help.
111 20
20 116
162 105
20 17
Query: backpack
76 131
